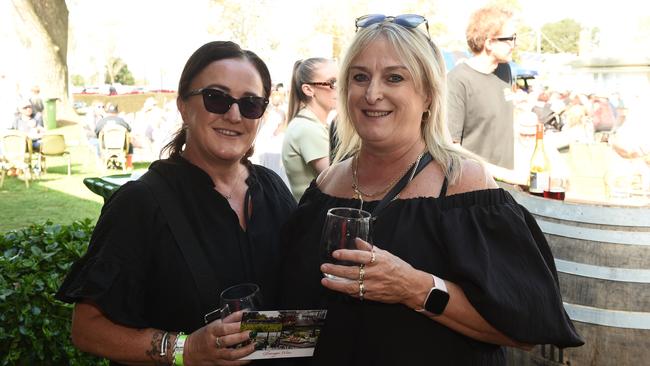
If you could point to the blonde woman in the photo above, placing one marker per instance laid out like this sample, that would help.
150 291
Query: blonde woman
457 269
305 149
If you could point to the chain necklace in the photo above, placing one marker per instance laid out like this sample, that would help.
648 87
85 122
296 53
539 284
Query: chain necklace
234 186
355 181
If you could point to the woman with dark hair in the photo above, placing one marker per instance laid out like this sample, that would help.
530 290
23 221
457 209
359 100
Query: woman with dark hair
305 149
138 298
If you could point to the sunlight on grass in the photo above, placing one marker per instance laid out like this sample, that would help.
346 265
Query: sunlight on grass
55 196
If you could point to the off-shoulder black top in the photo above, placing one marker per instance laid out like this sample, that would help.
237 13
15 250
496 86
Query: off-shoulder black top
483 241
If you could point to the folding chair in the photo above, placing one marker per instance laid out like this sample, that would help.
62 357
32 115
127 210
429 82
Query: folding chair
17 154
52 145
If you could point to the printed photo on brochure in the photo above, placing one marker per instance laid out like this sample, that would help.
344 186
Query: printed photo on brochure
283 333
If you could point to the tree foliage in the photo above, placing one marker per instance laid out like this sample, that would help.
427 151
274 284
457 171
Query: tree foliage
560 37
124 76
526 39
113 66
118 72
77 80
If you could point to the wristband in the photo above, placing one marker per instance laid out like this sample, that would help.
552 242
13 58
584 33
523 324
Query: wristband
179 346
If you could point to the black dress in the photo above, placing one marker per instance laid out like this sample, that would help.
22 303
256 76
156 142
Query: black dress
483 241
134 270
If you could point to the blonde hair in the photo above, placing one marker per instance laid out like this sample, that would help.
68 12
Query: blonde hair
426 65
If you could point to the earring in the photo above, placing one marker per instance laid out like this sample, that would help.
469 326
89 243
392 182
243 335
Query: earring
425 115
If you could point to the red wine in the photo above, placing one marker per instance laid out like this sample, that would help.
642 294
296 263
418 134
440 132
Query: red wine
558 195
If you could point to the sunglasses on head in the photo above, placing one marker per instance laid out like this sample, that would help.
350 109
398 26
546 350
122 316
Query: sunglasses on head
219 102
331 84
405 20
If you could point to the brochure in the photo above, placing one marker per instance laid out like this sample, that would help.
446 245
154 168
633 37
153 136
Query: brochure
283 333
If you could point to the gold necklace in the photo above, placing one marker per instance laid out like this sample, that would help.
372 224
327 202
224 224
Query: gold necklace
355 181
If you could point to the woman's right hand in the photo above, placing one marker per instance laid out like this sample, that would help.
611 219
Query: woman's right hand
210 344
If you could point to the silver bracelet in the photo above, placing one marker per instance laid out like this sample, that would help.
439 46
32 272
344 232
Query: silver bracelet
163 344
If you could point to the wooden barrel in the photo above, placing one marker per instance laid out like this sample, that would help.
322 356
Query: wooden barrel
602 254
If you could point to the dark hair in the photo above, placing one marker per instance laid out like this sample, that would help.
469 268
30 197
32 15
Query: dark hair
200 59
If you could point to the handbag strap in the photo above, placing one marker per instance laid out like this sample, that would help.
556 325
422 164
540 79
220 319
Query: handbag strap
204 278
410 174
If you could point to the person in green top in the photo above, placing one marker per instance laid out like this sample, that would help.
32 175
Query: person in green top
305 149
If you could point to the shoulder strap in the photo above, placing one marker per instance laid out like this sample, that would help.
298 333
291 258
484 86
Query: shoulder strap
204 278
443 189
410 174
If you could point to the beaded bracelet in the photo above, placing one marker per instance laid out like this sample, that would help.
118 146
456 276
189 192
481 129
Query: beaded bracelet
179 346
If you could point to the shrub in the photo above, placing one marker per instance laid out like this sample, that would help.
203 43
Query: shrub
34 327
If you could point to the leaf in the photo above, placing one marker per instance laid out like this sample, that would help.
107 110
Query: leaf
35 328
36 251
9 253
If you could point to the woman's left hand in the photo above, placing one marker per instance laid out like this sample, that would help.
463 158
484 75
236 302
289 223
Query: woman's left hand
380 275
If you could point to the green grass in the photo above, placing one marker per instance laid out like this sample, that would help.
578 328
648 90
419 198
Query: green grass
56 196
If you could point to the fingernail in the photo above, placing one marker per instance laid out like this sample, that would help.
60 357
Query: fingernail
336 254
252 334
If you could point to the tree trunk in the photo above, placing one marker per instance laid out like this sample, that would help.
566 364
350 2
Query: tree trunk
41 27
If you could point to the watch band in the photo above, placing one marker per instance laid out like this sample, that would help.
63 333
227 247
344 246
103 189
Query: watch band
438 286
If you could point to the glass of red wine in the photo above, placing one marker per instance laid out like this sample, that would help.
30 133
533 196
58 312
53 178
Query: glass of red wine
342 226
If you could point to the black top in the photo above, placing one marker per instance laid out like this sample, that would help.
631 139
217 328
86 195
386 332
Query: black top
134 270
483 241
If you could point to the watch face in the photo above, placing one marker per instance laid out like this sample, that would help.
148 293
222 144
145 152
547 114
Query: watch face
437 301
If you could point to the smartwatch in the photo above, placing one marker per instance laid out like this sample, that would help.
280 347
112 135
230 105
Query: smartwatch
437 299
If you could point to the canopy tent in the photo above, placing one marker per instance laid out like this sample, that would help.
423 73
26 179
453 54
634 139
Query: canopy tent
519 72
509 72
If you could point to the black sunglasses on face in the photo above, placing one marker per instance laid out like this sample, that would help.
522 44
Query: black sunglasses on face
405 20
512 38
331 84
219 102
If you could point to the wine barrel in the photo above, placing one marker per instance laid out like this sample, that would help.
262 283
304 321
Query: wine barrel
602 254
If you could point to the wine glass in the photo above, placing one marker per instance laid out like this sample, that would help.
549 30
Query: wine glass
342 226
243 296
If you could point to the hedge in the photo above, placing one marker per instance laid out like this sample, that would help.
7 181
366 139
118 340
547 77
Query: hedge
34 327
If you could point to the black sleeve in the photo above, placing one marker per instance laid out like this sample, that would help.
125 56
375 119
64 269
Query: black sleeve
499 257
112 274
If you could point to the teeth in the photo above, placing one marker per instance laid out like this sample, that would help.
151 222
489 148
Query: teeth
227 132
376 114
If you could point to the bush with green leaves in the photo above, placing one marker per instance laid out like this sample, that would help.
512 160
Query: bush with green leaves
34 327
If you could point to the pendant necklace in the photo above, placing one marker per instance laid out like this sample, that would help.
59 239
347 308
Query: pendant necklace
234 186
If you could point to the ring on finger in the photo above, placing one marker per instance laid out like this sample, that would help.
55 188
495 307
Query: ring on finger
219 344
362 272
362 290
373 257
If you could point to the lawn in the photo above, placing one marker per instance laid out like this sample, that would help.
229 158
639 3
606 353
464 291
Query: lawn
56 196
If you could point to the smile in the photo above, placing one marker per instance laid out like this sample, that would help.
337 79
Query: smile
376 113
227 132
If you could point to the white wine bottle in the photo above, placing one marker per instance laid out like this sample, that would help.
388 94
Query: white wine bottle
540 166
